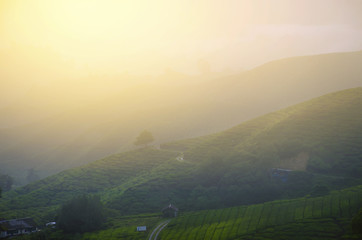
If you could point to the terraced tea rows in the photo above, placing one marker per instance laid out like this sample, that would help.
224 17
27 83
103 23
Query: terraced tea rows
236 222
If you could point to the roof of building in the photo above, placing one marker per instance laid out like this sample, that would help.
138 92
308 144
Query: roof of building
173 207
281 169
17 224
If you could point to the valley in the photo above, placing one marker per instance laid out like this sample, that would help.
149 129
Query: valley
181 120
226 170
79 134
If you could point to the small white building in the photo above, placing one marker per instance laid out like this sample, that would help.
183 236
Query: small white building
51 224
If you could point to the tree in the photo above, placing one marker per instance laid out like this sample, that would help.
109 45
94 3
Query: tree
357 223
32 176
144 138
319 190
81 214
6 182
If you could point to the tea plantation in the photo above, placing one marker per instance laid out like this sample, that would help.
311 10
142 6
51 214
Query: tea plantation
326 217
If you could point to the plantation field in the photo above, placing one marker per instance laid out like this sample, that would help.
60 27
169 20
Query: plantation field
229 171
225 169
326 217
116 228
125 228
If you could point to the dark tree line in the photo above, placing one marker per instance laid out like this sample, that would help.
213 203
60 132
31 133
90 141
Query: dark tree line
357 222
81 214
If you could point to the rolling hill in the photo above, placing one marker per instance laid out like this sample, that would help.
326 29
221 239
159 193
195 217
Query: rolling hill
319 140
172 107
308 218
327 217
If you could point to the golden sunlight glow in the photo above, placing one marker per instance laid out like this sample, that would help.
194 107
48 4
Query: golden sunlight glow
97 71
149 36
55 43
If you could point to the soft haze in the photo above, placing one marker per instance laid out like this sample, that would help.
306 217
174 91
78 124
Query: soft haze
242 118
80 80
146 37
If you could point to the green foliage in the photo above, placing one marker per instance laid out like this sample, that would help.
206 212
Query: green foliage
111 175
226 169
6 182
326 128
357 222
319 190
116 228
48 234
81 214
144 138
125 228
324 217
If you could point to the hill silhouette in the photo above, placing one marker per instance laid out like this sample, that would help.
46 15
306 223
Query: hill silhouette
188 107
320 139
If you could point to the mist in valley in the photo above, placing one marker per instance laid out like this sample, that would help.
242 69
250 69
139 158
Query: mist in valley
128 106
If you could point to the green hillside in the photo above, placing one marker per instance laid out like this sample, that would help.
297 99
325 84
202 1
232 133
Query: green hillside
109 176
319 140
50 137
117 228
325 131
309 218
326 217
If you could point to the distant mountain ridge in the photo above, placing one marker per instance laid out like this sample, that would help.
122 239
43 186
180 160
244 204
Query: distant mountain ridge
171 112
223 169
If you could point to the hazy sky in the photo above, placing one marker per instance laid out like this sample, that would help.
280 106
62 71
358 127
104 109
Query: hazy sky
94 71
110 36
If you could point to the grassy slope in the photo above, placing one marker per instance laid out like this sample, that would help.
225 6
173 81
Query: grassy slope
327 127
326 217
225 169
171 112
107 177
125 228
117 228
235 163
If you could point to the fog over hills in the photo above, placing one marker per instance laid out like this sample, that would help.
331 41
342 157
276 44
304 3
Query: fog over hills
181 119
318 139
74 134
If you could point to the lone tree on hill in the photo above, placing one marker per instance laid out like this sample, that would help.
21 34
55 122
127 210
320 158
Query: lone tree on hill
144 138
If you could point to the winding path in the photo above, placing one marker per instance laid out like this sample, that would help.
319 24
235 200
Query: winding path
158 229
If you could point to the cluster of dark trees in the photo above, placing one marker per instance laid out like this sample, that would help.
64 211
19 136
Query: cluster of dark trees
81 214
357 222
